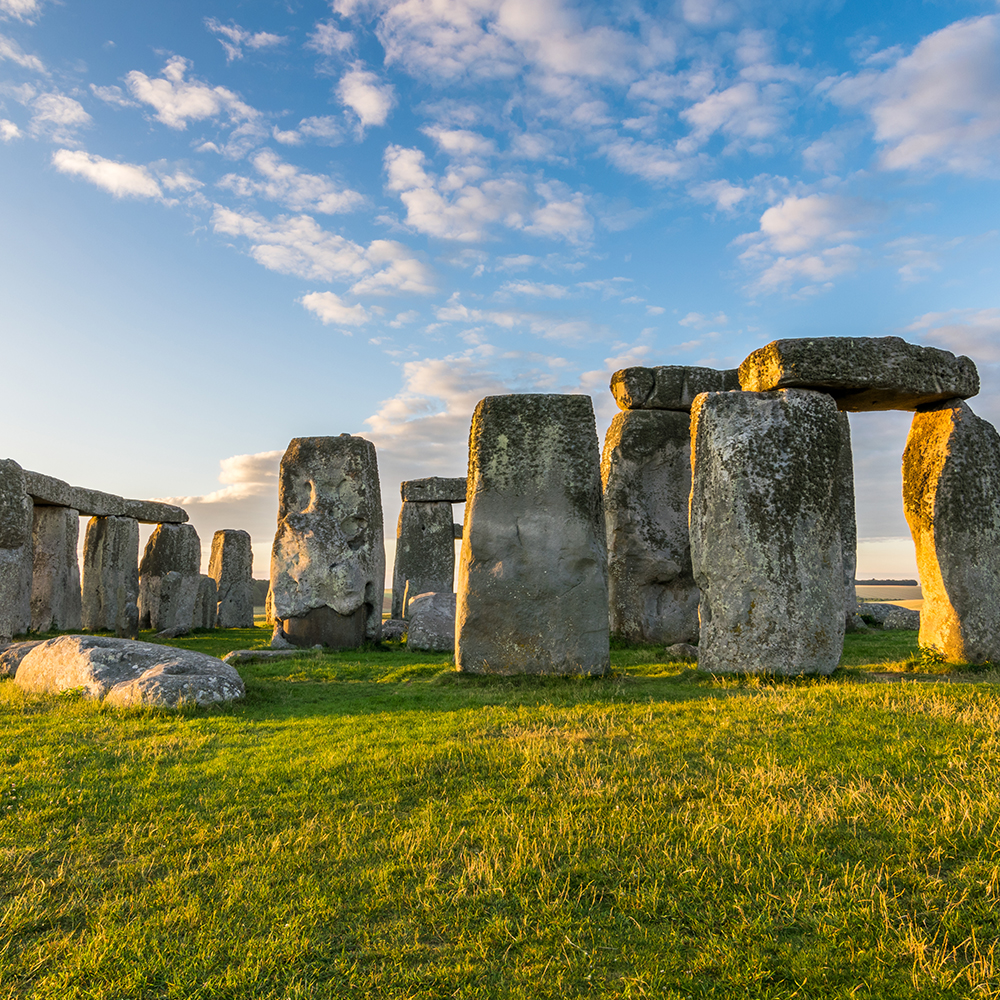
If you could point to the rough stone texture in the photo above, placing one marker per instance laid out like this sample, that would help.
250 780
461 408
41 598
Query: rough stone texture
206 603
56 601
154 512
328 554
681 651
278 639
862 373
231 565
393 629
646 471
765 531
48 489
11 656
425 553
951 496
890 615
668 387
51 491
532 583
848 521
261 655
433 489
432 622
15 551
127 673
169 577
111 575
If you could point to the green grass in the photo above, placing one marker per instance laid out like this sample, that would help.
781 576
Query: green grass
372 824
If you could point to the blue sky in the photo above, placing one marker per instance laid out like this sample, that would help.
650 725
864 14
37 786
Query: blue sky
225 225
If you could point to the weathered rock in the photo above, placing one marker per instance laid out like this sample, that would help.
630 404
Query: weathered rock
425 553
111 575
15 551
393 629
231 565
951 496
263 655
206 604
433 489
889 615
127 673
56 601
862 373
532 583
765 531
11 656
432 622
47 490
97 503
681 651
668 387
154 512
278 638
169 577
848 522
328 558
646 471
176 632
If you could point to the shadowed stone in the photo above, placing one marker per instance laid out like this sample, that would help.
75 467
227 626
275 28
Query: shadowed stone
54 492
432 622
56 601
433 489
111 575
646 471
16 514
11 656
765 531
668 387
169 577
425 553
231 566
862 373
206 603
328 558
456 530
890 615
532 590
951 496
848 524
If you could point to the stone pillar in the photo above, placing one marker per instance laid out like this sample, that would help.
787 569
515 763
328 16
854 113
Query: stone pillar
328 557
646 471
15 551
173 550
848 524
111 576
425 553
56 601
951 496
206 605
231 566
765 523
532 582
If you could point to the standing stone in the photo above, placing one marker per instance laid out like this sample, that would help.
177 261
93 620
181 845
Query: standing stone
231 566
15 551
848 524
765 531
206 604
55 582
328 557
646 471
111 576
532 583
432 622
951 496
425 553
166 604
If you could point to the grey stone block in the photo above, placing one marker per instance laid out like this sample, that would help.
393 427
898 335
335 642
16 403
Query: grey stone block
56 599
668 387
169 577
231 565
111 575
433 489
16 514
425 553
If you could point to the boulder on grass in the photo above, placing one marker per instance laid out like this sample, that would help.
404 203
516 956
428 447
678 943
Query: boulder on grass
432 622
889 615
11 656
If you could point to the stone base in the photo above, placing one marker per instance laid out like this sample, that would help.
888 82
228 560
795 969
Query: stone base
325 627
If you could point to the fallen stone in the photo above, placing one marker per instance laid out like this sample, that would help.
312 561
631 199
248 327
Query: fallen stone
262 655
169 577
425 553
681 651
533 590
111 575
205 605
862 373
951 497
433 489
328 557
668 387
432 622
128 674
11 656
173 633
765 532
393 629
646 471
56 600
889 615
231 565
16 512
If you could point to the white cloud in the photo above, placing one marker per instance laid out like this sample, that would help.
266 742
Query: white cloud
699 321
651 161
123 180
112 95
57 117
563 216
725 195
551 327
368 97
234 39
8 130
23 10
975 332
11 51
655 310
332 309
798 223
461 143
329 40
534 289
746 111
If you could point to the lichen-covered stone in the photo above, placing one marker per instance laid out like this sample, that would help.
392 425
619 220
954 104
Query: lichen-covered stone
231 566
50 491
862 373
425 553
646 471
532 583
206 603
951 496
668 387
56 601
432 622
16 511
328 557
111 575
433 489
765 531
169 577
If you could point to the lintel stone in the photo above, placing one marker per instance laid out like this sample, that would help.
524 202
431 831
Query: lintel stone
49 491
433 489
668 387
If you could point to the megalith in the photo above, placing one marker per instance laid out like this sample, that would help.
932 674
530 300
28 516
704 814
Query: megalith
15 551
848 523
532 580
669 387
425 553
111 576
206 603
56 601
231 566
765 524
951 496
174 551
328 557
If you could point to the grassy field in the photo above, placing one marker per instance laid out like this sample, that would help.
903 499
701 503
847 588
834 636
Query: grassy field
372 824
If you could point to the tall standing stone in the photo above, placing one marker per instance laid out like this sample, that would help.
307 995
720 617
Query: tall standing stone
206 605
169 577
646 471
425 553
328 557
848 522
56 601
111 575
231 566
532 583
15 551
951 496
765 523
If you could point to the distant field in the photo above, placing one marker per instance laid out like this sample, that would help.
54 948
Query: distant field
371 824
